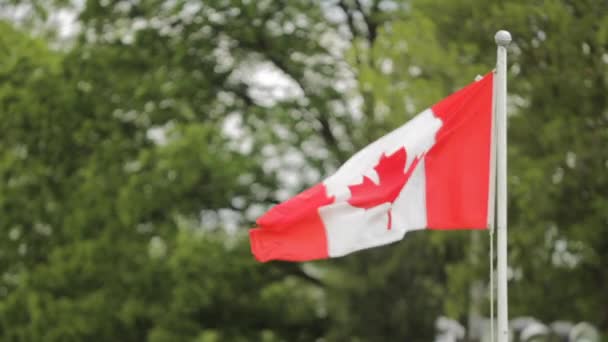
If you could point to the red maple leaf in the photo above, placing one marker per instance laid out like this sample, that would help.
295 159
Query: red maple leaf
390 170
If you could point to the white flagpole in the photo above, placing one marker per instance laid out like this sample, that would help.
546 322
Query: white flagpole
502 38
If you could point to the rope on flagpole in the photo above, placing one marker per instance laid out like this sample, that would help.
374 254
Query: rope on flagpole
492 334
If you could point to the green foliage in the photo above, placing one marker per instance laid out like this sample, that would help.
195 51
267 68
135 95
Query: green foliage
135 155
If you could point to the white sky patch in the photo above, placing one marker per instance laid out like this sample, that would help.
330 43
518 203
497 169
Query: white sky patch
62 20
269 85
234 130
230 219
158 134
157 248
571 159
254 211
227 219
333 13
233 126
355 105
281 131
16 13
563 256
315 148
271 164
66 23
558 175
335 44
386 66
291 170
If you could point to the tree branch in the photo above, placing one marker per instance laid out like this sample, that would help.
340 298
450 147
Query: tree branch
326 132
372 26
349 18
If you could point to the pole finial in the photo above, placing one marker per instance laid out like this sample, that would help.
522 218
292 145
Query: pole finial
502 38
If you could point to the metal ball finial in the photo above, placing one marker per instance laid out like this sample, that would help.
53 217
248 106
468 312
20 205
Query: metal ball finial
502 38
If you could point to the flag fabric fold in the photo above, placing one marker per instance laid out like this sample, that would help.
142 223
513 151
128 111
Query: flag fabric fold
431 173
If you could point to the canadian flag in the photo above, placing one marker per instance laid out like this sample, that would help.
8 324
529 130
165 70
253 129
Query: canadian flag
431 173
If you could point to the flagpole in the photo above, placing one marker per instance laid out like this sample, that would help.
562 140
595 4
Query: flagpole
502 38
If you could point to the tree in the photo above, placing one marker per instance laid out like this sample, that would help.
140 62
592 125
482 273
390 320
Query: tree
557 173
108 149
131 150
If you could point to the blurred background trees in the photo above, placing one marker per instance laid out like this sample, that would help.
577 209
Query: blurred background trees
140 140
